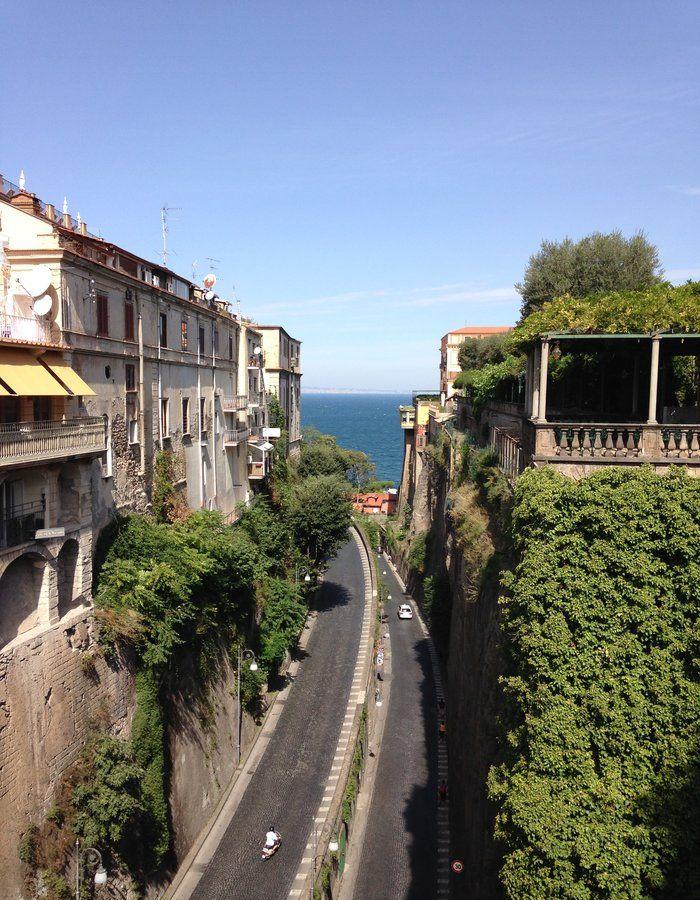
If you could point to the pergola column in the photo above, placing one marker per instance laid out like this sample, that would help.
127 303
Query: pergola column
535 381
544 366
653 380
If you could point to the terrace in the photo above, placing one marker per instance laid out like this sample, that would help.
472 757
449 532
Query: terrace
32 442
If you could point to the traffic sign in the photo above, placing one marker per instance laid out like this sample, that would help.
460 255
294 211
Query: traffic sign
457 866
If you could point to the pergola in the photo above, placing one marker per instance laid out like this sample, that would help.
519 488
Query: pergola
632 368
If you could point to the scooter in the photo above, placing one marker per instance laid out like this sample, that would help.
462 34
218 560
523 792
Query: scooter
267 852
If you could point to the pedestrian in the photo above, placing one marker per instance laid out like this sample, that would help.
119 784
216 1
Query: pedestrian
441 706
442 730
442 791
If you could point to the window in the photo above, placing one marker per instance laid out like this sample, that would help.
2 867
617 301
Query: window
201 339
102 314
130 376
202 415
183 334
132 422
164 417
230 347
185 415
128 320
163 329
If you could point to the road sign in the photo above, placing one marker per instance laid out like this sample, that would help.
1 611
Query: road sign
43 533
457 866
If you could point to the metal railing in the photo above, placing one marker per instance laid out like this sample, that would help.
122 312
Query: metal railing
22 328
510 452
52 211
19 524
36 441
237 403
234 436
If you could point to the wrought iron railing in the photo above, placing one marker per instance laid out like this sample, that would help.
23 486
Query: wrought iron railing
23 328
237 403
19 524
34 441
233 436
509 450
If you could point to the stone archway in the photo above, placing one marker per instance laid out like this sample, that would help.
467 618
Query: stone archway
68 577
20 593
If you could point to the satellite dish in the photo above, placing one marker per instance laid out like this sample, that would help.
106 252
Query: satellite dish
43 305
210 295
209 280
36 281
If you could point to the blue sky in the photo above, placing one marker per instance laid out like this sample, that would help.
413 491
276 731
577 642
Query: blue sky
369 174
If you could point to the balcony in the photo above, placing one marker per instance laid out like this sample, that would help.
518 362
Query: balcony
407 415
20 523
256 469
237 403
31 442
235 436
27 329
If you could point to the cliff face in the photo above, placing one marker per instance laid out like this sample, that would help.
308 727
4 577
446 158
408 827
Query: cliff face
471 663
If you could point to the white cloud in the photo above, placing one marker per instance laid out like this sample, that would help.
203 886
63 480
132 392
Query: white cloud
688 190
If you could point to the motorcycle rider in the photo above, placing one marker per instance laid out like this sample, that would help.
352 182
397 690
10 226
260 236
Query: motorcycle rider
272 838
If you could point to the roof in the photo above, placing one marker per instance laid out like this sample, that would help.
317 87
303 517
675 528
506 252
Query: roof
477 331
278 328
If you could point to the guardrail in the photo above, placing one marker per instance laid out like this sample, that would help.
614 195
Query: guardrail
510 452
237 403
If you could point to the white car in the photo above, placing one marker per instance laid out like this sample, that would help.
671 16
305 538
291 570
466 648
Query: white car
405 611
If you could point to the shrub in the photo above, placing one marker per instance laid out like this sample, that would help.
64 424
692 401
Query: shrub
283 618
417 553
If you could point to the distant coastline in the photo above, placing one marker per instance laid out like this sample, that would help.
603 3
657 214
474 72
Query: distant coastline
315 390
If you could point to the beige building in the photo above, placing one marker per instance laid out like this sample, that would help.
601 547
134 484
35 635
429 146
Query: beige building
449 352
105 359
283 377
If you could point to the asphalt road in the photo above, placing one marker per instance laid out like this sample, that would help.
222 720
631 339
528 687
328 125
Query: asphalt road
399 853
287 787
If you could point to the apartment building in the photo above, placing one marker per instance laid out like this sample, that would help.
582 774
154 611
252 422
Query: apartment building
105 359
283 375
449 352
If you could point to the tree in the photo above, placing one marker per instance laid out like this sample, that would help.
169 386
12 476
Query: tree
319 513
475 353
598 262
322 455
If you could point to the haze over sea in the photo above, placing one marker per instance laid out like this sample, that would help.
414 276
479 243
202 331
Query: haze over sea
367 422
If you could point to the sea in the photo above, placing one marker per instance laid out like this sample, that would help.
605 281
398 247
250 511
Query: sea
367 422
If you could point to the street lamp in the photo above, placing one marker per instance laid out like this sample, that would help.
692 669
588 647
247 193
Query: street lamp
243 654
100 873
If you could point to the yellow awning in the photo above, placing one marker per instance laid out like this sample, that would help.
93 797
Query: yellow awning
71 379
24 375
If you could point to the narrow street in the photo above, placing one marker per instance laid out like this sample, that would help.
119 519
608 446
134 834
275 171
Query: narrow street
287 787
399 854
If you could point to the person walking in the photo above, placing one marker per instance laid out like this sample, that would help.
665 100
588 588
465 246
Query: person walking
442 730
442 791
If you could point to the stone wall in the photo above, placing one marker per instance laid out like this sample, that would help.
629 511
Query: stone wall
48 698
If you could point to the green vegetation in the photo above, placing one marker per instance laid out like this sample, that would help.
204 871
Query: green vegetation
598 263
475 353
599 793
377 487
370 529
322 455
417 553
352 786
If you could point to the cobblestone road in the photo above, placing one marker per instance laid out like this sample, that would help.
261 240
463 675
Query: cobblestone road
288 785
400 845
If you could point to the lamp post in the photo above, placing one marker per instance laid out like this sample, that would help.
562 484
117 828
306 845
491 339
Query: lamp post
100 873
320 833
243 654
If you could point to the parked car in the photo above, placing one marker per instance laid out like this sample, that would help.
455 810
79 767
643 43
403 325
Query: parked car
405 611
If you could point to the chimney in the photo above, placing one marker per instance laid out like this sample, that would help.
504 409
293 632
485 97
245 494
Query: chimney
28 202
49 211
83 228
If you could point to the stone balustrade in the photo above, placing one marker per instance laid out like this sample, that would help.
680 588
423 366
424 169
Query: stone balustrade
23 442
631 442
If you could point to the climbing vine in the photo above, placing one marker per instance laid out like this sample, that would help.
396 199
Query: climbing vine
599 793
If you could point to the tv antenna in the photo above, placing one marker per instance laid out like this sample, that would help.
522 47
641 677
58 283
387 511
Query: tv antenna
164 210
195 265
212 263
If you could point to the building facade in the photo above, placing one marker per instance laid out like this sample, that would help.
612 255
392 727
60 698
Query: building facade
449 352
106 359
283 377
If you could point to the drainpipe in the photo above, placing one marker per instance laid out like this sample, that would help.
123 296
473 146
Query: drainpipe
142 395
160 388
200 419
213 411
